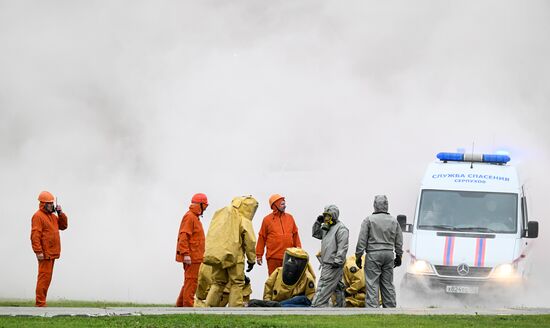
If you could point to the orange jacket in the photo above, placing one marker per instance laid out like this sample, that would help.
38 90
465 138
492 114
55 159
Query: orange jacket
45 232
191 236
279 232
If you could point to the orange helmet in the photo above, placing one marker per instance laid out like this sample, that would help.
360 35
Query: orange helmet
274 198
199 199
46 197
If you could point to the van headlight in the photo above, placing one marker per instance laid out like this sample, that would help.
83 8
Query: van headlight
420 267
504 271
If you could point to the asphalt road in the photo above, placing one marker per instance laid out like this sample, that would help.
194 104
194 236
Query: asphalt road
91 312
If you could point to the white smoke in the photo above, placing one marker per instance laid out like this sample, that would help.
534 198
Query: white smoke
125 109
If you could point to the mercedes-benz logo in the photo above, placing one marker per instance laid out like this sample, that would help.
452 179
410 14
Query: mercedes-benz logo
463 269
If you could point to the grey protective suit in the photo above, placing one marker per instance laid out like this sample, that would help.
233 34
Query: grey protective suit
380 235
334 247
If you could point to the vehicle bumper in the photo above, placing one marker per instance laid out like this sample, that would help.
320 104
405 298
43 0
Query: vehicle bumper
437 283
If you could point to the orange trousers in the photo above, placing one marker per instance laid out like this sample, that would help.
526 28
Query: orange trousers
45 272
190 281
273 264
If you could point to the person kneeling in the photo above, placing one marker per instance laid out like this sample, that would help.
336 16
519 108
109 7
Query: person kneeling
292 285
354 282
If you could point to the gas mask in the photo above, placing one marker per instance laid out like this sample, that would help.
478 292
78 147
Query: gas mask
328 222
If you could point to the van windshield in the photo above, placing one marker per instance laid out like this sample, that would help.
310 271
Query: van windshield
468 211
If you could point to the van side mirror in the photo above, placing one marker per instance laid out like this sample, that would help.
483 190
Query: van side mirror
402 220
532 229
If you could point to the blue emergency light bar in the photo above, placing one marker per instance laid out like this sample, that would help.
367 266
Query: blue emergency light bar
484 158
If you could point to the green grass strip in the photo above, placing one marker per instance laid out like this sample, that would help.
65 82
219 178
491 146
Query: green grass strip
199 320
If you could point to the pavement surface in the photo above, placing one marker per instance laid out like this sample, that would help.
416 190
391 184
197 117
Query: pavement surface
94 312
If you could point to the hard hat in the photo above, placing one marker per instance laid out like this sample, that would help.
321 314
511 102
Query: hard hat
273 199
46 197
199 199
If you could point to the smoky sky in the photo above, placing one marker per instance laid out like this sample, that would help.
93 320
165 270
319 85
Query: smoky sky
125 109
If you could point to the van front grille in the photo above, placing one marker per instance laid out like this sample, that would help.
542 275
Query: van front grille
452 271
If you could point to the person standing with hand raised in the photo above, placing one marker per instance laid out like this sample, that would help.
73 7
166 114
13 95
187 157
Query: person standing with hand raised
46 242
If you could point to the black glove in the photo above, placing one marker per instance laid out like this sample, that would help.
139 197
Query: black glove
359 261
320 219
250 266
246 280
335 265
397 261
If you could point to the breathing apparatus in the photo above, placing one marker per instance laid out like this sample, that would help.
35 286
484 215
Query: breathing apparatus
327 221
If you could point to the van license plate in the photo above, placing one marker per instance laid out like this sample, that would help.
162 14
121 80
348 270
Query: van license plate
462 289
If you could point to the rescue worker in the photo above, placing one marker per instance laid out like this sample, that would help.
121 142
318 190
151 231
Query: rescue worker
205 281
230 237
278 232
380 236
334 245
292 285
354 282
46 242
190 248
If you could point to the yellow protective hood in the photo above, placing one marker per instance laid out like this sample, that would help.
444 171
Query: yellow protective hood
297 252
246 206
231 235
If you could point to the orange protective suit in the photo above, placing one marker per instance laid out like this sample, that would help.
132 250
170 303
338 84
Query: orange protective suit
278 232
45 239
190 243
273 264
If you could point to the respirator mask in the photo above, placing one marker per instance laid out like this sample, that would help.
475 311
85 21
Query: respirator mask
328 222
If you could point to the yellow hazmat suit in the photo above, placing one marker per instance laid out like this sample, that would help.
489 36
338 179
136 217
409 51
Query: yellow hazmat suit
276 290
354 281
204 283
230 236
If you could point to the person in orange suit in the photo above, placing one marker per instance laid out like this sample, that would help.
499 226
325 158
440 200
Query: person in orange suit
190 249
46 243
278 232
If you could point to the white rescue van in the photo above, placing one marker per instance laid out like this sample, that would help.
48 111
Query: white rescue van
470 231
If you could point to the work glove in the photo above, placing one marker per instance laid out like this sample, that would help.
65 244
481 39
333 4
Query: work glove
58 209
320 219
259 260
250 266
246 280
335 265
359 261
397 261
